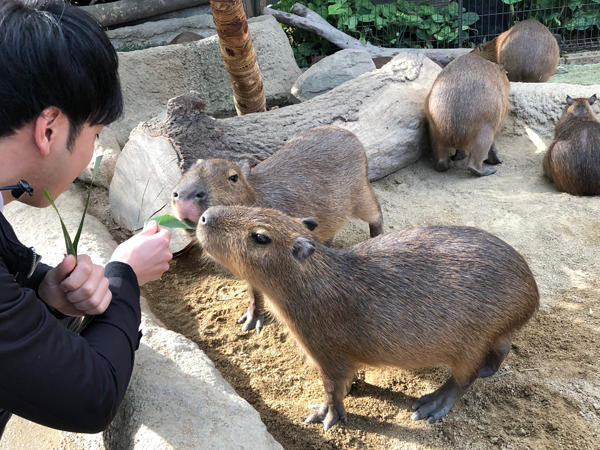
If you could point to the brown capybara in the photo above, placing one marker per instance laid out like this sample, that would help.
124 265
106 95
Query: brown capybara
319 173
573 158
420 297
185 37
465 108
528 49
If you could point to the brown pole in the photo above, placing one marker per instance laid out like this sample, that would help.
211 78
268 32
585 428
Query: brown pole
238 55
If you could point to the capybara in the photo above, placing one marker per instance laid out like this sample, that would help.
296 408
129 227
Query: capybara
420 297
573 158
528 49
185 37
465 108
319 173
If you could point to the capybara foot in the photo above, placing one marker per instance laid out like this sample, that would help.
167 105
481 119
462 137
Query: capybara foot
442 165
484 171
494 358
252 320
460 154
328 414
436 405
493 157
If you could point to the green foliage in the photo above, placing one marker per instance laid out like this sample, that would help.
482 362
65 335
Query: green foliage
406 24
169 221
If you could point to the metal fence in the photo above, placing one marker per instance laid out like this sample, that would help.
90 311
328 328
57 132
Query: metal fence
436 24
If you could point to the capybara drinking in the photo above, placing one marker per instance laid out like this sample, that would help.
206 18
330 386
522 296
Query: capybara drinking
465 109
421 297
528 49
320 173
573 158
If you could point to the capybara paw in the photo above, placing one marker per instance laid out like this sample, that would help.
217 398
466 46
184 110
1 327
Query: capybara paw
251 322
432 407
493 159
460 154
329 415
442 165
484 171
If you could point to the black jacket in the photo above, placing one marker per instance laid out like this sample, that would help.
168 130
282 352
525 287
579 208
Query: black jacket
51 375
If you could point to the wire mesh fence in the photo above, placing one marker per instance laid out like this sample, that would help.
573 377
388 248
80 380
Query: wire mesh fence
443 23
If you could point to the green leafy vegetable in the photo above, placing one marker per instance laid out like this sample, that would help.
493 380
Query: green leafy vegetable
169 221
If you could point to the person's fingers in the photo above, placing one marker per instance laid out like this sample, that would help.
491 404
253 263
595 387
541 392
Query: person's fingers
89 288
62 271
150 229
80 274
97 303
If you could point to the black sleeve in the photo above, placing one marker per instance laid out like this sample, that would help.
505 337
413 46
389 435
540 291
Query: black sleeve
57 378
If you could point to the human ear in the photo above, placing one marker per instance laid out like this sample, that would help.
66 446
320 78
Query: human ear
46 128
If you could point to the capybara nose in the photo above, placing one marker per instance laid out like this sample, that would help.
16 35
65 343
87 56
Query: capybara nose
175 196
204 219
201 195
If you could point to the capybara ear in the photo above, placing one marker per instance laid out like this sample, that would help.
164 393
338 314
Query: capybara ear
311 224
502 66
480 47
303 248
197 163
245 167
569 101
592 99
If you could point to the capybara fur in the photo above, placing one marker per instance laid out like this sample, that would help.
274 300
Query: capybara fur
421 297
185 37
528 50
465 108
319 173
573 158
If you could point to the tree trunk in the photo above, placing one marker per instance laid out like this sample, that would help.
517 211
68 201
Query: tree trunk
238 56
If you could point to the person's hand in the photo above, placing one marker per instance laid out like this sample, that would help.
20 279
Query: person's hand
147 253
76 290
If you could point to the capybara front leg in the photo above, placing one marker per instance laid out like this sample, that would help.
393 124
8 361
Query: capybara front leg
436 405
459 155
494 358
332 409
254 318
493 157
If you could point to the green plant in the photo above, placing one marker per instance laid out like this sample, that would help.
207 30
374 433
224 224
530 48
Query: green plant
169 221
72 244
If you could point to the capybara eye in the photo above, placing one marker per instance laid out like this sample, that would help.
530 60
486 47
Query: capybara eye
261 239
233 178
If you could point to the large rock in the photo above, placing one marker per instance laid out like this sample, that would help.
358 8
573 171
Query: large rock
151 77
176 398
383 108
160 32
108 146
332 71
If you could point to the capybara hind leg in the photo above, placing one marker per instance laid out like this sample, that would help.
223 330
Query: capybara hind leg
254 317
369 210
493 157
436 405
332 409
459 155
478 150
442 155
494 358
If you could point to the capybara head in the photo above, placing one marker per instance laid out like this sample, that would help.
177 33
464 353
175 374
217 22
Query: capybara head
211 182
250 240
580 107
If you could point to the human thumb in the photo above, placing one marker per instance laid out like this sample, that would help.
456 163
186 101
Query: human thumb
63 270
150 229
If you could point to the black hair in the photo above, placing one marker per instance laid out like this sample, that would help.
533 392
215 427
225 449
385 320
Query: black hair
55 54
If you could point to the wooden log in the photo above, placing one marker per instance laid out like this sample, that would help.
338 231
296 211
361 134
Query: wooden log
109 14
307 19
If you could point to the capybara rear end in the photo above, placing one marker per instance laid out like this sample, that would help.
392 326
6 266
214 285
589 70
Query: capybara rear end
573 158
465 108
421 297
528 50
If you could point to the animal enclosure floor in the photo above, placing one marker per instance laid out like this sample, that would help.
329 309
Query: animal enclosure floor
545 396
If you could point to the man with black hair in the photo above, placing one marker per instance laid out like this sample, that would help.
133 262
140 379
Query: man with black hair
59 87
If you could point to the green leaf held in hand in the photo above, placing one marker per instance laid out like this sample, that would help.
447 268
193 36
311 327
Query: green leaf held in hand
169 221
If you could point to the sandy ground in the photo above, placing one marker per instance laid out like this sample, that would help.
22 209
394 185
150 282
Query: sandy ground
547 393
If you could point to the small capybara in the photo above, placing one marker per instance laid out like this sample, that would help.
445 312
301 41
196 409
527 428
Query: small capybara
528 49
465 108
319 173
573 158
421 297
185 37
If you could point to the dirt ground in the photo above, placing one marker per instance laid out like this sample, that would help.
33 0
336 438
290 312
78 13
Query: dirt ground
545 396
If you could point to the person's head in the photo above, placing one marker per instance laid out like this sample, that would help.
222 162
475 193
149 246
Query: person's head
59 86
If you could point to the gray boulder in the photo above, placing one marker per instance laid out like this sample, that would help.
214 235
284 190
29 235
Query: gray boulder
151 77
107 146
160 32
332 71
176 398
